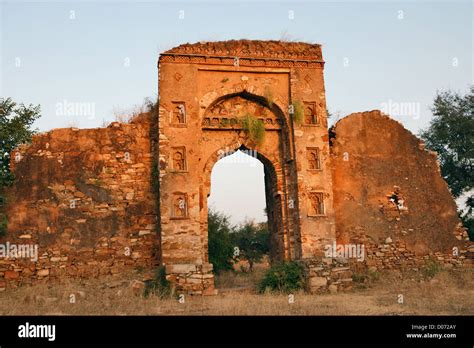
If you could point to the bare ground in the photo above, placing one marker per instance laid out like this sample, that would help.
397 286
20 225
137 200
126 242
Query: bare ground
448 293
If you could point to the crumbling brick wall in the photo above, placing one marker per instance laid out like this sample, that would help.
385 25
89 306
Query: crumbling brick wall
85 198
390 196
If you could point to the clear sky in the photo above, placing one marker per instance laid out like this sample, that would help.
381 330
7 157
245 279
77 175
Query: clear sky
388 55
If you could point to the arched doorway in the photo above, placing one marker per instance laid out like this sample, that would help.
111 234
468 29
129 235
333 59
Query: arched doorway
221 122
211 97
272 196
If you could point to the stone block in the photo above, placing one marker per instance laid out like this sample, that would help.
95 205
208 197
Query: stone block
42 272
181 268
11 275
318 282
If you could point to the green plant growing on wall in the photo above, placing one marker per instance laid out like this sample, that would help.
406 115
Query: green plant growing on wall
3 224
152 109
298 111
268 94
254 128
159 285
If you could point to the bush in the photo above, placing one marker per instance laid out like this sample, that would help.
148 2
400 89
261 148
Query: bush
431 268
158 286
283 277
253 241
374 276
3 224
359 277
221 250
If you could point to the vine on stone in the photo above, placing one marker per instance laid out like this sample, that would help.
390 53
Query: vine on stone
254 128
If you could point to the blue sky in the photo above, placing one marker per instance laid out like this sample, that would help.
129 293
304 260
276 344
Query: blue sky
378 54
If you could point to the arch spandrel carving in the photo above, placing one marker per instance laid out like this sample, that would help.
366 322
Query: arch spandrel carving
227 112
250 92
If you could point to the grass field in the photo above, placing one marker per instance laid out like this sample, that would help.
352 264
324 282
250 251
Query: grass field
447 293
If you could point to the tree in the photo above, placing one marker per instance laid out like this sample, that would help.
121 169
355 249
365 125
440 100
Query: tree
221 249
253 241
15 129
451 135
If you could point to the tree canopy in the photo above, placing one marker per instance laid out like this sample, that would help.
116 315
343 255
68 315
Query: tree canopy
16 122
228 244
451 135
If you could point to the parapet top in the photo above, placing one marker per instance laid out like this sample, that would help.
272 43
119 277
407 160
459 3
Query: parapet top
251 49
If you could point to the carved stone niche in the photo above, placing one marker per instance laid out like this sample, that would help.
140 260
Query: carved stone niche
179 206
316 204
178 114
313 156
178 159
310 114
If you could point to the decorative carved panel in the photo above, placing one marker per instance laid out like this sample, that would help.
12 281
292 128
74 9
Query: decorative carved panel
310 113
316 204
178 114
179 207
178 159
313 158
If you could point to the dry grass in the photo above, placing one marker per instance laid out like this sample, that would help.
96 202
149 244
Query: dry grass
246 280
446 294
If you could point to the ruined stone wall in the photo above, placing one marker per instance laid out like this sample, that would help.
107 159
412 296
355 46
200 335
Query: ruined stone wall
389 195
85 198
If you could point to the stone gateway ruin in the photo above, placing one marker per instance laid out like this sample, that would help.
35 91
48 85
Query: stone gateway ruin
110 200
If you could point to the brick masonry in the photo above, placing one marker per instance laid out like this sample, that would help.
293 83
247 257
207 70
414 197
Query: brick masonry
84 197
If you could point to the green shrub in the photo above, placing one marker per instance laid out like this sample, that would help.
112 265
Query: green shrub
431 268
3 224
221 249
254 128
252 240
283 277
374 275
158 286
359 277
